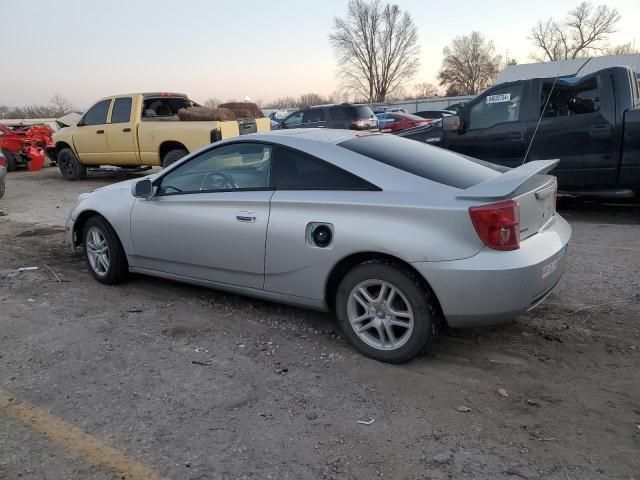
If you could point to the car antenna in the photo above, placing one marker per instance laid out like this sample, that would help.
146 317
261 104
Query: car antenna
533 137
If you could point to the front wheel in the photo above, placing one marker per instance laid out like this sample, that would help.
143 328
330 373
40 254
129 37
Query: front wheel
69 165
103 252
385 311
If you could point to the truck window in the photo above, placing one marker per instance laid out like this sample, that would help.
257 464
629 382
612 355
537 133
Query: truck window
97 115
121 110
500 106
167 107
566 99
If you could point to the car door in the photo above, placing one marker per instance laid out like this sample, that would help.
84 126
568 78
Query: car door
209 218
495 127
294 120
578 126
121 137
89 137
309 193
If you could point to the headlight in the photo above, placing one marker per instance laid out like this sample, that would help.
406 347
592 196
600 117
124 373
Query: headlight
82 196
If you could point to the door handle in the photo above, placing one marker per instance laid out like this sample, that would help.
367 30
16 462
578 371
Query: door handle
126 129
99 132
603 130
516 136
246 217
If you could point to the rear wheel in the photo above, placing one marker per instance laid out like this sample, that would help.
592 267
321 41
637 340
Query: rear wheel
173 156
69 165
385 311
11 161
103 252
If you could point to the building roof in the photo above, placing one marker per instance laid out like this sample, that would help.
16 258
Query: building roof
567 68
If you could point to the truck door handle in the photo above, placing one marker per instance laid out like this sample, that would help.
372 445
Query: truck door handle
516 136
246 217
99 132
126 129
603 130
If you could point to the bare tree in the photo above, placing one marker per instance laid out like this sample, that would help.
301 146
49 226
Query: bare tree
584 32
212 103
60 106
376 47
308 99
622 49
426 90
470 64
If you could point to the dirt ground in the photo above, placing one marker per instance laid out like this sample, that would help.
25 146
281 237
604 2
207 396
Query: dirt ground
187 383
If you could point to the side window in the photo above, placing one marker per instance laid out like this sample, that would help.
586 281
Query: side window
340 113
502 105
230 167
97 115
313 116
121 112
564 99
294 170
294 119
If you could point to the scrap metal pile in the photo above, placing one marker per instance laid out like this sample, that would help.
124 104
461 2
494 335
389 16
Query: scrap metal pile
25 145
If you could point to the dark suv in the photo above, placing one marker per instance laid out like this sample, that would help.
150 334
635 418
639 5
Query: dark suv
345 115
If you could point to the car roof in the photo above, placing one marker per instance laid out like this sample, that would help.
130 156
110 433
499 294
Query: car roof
324 135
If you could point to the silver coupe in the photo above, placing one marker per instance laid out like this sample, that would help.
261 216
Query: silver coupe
391 234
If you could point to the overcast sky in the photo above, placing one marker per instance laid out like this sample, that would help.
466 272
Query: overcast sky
84 49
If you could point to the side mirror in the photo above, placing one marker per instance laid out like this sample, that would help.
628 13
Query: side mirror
80 124
451 123
142 189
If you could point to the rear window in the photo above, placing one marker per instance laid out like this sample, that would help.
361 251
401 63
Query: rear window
425 161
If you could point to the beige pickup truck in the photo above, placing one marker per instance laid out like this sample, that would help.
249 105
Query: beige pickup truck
137 131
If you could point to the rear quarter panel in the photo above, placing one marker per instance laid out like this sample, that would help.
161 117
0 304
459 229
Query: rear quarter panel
393 223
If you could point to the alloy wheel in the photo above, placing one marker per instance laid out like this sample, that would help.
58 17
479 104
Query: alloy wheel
380 314
98 251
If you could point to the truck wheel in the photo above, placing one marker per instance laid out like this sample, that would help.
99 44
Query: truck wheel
69 165
173 156
11 161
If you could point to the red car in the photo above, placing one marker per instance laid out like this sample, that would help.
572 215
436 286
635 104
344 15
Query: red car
394 122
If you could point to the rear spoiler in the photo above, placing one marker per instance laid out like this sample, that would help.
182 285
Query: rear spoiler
508 182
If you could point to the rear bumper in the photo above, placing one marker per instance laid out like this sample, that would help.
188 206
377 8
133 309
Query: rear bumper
494 287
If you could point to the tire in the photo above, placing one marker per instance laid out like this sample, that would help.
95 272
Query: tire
412 298
173 156
69 165
2 188
108 265
11 161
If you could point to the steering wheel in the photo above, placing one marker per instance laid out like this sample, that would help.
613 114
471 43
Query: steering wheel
222 182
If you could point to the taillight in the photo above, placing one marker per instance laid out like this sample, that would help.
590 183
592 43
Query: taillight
3 162
498 224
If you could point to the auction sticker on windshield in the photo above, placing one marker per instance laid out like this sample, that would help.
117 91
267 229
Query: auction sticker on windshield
503 97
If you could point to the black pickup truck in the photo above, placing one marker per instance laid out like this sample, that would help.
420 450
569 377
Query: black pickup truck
591 123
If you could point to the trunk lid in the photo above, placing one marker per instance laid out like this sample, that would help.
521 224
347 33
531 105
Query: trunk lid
537 206
527 184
